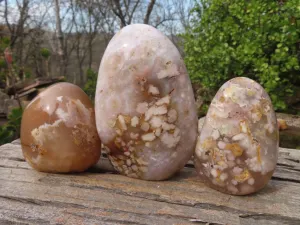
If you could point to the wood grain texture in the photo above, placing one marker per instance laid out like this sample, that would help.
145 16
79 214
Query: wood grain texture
100 196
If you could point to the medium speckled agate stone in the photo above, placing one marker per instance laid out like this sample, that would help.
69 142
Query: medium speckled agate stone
237 149
145 108
58 131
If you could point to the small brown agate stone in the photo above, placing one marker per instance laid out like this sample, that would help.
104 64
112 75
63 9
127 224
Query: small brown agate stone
58 131
237 149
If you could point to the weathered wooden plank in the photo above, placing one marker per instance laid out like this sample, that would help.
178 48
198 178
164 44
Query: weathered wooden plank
100 196
288 166
291 120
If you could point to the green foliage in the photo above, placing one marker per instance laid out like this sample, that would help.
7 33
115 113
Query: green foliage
45 53
16 69
6 135
258 39
4 43
2 63
90 85
27 74
11 130
2 76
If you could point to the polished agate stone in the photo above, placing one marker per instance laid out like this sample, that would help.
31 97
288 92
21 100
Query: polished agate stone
145 108
237 149
58 131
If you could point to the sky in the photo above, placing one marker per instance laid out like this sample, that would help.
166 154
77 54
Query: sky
45 8
37 10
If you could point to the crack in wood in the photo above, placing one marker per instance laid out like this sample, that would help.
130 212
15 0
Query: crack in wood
210 206
271 217
146 216
15 220
141 195
85 215
247 215
286 179
288 167
293 160
17 159
44 203
11 167
241 213
23 200
199 221
285 165
114 221
10 222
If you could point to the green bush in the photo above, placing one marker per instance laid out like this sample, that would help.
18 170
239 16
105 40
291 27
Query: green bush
258 39
11 130
2 63
90 85
45 53
6 41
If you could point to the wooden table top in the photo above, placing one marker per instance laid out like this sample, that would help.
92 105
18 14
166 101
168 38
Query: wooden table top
100 196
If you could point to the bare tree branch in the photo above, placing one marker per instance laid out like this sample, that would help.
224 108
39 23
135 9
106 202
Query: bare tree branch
126 3
149 10
132 12
116 8
6 17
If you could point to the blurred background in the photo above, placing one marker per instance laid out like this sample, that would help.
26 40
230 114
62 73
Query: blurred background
48 41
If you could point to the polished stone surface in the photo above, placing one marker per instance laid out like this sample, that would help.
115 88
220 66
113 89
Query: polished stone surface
236 151
58 131
145 108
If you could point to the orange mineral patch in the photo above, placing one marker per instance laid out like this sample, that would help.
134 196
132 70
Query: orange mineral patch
208 143
258 152
245 175
235 148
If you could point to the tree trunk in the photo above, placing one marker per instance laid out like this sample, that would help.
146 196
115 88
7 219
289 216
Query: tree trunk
60 38
90 53
90 40
47 68
80 63
81 75
20 33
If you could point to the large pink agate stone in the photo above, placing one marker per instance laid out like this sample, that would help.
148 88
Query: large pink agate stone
145 108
